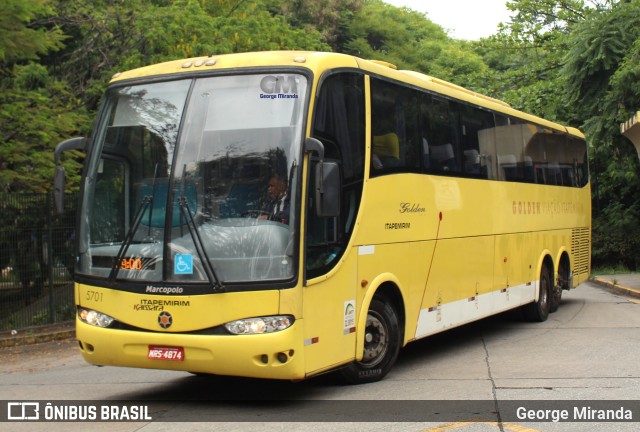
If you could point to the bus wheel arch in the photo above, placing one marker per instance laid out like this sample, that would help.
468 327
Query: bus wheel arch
383 334
389 292
539 309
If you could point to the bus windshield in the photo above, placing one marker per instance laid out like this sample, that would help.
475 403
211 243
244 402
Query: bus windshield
195 180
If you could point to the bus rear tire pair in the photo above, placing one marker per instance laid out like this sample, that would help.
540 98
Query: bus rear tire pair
539 310
381 345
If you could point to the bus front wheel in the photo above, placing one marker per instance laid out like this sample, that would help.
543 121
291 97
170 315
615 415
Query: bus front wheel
381 345
539 309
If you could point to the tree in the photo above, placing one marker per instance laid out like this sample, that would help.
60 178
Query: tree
527 53
36 110
109 36
602 76
331 18
19 40
37 113
410 40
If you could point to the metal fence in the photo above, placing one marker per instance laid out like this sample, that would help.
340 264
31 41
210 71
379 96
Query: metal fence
36 260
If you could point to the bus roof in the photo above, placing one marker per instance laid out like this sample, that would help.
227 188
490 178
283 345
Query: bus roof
320 61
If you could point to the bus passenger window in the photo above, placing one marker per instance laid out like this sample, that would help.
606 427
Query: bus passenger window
385 151
443 157
511 134
395 128
473 121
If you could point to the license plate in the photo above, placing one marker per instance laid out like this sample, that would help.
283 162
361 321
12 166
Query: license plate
165 353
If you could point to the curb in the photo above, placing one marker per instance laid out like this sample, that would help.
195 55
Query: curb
617 288
37 335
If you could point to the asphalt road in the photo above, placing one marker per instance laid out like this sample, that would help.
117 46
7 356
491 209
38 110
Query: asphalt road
585 356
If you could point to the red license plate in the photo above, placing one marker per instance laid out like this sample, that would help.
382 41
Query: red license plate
168 353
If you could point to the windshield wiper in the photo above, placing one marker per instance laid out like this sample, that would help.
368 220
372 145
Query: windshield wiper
185 212
147 202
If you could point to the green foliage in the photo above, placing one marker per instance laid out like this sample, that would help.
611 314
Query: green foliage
114 36
171 33
599 45
331 18
411 41
527 54
616 237
18 39
36 110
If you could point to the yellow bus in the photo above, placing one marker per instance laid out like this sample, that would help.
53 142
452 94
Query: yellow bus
285 214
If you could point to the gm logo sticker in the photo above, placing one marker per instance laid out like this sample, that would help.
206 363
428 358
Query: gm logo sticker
279 87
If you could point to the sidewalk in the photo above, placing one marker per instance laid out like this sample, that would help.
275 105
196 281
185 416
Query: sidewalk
624 284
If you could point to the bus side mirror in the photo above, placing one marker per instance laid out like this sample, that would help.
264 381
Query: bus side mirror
58 189
327 189
327 181
58 179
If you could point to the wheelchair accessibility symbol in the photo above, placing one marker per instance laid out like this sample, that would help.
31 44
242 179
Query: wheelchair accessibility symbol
183 264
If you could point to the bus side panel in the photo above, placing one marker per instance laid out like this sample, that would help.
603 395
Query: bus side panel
515 273
459 282
406 265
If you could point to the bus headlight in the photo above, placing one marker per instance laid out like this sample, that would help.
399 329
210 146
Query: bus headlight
94 317
259 325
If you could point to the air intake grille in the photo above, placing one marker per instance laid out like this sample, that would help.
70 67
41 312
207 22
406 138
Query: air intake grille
581 250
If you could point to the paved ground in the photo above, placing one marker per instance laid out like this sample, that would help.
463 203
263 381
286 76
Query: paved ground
627 284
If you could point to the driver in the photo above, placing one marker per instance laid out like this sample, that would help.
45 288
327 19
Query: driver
277 207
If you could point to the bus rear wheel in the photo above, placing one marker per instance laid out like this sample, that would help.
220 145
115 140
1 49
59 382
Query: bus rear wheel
539 309
556 298
381 345
564 276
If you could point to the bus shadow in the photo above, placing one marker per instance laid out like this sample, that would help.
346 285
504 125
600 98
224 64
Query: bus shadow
458 339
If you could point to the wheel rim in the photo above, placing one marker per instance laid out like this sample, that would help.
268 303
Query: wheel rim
376 339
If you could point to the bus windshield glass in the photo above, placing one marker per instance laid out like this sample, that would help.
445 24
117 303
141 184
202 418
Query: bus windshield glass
195 180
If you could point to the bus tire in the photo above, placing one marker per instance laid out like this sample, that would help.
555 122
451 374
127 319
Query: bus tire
539 310
381 346
563 283
556 298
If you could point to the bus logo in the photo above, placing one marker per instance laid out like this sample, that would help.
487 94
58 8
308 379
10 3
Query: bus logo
165 320
279 84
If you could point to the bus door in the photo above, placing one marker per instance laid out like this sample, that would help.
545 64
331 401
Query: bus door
329 294
329 300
